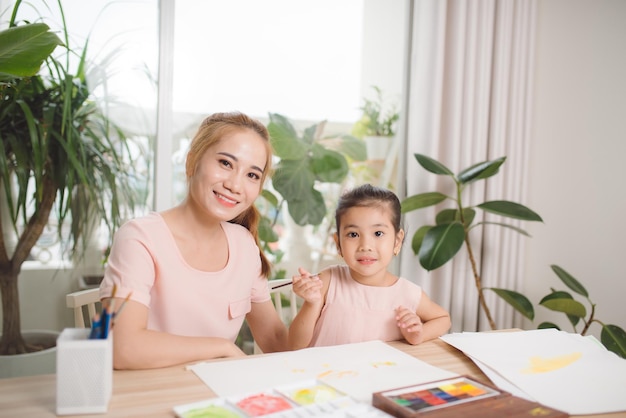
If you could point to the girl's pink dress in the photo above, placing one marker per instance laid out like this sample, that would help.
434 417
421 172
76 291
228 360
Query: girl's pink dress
355 313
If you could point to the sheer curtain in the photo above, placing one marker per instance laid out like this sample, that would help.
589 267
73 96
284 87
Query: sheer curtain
469 87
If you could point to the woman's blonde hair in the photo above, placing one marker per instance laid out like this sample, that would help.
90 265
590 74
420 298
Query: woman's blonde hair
211 131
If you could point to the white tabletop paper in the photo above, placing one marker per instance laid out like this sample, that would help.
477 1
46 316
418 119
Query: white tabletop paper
558 369
355 369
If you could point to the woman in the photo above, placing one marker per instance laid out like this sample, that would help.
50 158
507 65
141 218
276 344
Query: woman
195 271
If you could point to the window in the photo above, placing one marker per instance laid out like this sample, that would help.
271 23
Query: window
309 60
300 59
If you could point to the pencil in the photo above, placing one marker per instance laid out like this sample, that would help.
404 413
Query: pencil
115 314
106 318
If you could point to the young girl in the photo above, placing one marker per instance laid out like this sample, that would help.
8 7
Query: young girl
362 301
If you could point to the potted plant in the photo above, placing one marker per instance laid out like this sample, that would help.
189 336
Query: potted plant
437 244
377 125
307 160
60 153
612 336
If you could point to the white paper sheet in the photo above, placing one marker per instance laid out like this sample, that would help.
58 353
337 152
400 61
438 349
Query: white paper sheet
355 369
558 369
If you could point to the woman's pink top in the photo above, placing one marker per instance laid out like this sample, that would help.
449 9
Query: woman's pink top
181 300
355 313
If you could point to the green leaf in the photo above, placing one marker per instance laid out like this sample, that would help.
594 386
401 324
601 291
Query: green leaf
480 171
556 295
24 48
284 139
310 133
518 301
559 294
418 237
568 306
329 166
432 165
440 244
569 280
310 211
266 232
614 339
352 147
447 216
510 209
514 228
422 200
293 180
546 325
270 197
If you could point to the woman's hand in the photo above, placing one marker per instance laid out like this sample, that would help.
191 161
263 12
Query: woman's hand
410 325
308 287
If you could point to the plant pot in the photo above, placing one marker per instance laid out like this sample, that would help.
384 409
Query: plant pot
35 363
90 281
377 147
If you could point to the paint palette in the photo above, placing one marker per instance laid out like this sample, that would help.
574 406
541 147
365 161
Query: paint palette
310 392
212 408
310 398
411 400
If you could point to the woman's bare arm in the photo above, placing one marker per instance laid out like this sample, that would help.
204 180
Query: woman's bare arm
269 332
136 347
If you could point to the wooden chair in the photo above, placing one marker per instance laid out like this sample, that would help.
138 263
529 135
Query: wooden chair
89 299
277 289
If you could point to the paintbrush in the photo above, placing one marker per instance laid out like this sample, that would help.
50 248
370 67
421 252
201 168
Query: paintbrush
288 283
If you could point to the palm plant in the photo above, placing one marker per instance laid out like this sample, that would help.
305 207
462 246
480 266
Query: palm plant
59 153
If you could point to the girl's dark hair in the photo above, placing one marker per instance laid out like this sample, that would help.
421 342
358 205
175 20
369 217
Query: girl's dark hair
369 196
211 131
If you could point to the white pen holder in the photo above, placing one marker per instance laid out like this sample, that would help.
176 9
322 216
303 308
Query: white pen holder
84 372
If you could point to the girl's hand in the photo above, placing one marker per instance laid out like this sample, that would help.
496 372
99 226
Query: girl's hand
307 287
410 325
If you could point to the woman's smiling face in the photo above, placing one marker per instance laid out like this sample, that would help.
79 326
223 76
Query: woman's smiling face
229 175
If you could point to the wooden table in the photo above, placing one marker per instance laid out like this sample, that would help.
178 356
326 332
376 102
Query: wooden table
155 392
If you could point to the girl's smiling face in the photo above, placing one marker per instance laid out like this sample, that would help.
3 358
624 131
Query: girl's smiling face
367 240
229 175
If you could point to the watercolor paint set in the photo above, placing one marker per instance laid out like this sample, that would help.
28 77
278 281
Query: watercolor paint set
310 398
460 396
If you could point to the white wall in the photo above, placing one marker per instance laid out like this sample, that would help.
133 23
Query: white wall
578 167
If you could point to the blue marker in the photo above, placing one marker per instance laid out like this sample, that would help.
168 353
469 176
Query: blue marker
96 328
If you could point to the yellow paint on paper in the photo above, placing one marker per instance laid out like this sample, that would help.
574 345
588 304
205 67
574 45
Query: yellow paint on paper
337 374
540 364
383 364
